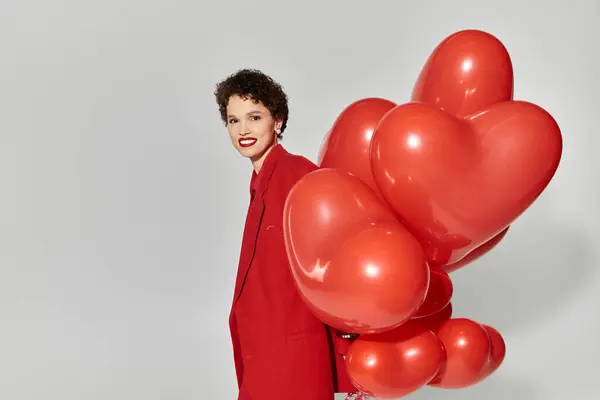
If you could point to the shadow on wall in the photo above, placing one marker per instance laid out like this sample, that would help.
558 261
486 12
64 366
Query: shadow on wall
535 270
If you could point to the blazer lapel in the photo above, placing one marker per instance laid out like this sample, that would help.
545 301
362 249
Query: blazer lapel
254 218
253 222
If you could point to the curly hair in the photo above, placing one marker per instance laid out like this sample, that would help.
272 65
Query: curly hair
254 84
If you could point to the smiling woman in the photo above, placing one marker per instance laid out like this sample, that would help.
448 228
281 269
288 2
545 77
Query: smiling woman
281 349
252 128
255 110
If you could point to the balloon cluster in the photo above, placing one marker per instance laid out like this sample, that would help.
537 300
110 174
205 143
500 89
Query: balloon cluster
407 194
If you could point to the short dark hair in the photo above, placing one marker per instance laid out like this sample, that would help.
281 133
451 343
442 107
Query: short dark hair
254 84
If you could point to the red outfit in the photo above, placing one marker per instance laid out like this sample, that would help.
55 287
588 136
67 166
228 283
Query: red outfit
281 350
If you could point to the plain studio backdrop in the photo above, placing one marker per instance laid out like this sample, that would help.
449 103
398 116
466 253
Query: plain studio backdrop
123 201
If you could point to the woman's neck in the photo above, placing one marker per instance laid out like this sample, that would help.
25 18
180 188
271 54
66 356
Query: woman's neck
258 162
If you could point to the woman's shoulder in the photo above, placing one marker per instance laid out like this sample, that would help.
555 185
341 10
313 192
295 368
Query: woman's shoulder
297 164
290 169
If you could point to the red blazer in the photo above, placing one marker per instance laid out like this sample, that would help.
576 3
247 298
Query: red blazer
281 350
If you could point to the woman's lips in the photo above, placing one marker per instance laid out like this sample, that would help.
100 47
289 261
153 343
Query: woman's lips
247 141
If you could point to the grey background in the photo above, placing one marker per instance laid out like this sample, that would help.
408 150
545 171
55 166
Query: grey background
123 202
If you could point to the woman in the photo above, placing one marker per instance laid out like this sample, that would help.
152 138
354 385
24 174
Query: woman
281 350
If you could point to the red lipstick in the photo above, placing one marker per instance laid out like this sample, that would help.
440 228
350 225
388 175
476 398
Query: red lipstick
247 141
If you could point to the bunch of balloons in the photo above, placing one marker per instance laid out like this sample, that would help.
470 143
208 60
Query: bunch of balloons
407 194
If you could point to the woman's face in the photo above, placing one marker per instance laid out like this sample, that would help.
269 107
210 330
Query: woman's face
251 127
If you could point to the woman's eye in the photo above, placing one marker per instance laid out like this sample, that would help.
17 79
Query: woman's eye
231 121
255 118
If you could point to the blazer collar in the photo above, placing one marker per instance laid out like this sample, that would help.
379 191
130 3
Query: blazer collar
259 182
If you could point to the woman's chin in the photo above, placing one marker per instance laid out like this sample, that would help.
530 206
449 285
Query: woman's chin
250 152
254 152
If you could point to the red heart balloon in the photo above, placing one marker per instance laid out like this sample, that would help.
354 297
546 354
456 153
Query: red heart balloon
438 295
346 145
376 281
355 265
395 363
432 322
467 350
497 351
322 209
456 183
477 253
467 72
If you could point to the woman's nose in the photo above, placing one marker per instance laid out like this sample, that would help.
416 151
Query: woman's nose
243 129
